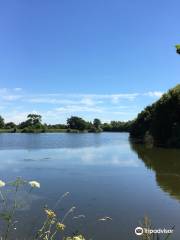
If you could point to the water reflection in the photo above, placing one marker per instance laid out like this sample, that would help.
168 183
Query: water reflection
95 169
102 174
166 165
118 155
55 140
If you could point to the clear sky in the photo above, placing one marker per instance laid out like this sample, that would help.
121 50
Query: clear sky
91 58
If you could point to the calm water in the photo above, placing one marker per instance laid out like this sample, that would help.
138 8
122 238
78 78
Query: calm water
105 175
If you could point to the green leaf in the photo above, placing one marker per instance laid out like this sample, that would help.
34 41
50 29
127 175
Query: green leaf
5 216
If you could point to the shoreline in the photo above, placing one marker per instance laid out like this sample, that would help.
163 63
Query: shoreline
54 131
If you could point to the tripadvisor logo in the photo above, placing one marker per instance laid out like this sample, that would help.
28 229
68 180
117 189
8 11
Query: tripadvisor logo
140 231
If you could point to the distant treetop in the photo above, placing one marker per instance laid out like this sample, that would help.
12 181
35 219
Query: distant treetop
178 48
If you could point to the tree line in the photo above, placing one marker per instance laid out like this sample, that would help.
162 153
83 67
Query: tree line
33 123
159 124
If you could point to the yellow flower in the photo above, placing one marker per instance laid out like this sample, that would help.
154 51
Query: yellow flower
34 184
2 184
50 213
80 237
60 226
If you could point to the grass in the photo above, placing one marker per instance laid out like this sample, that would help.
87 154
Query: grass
11 130
6 130
46 130
56 130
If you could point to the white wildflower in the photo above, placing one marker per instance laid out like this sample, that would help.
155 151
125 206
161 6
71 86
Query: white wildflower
2 184
34 184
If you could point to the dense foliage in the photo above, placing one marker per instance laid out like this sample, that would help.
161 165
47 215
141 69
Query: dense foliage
160 122
117 126
76 123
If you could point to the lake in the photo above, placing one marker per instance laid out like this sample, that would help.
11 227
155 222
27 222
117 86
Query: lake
105 174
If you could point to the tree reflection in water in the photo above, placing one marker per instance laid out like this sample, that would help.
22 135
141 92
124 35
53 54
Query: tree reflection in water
166 165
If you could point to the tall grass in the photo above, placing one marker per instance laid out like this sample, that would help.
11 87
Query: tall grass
52 227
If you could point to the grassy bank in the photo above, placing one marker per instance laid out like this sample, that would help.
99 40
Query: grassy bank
27 130
12 130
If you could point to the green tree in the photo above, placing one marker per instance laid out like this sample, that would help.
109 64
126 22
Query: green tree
24 124
76 123
10 125
34 119
97 123
1 122
106 127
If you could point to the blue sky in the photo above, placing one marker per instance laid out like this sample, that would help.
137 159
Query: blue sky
98 58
